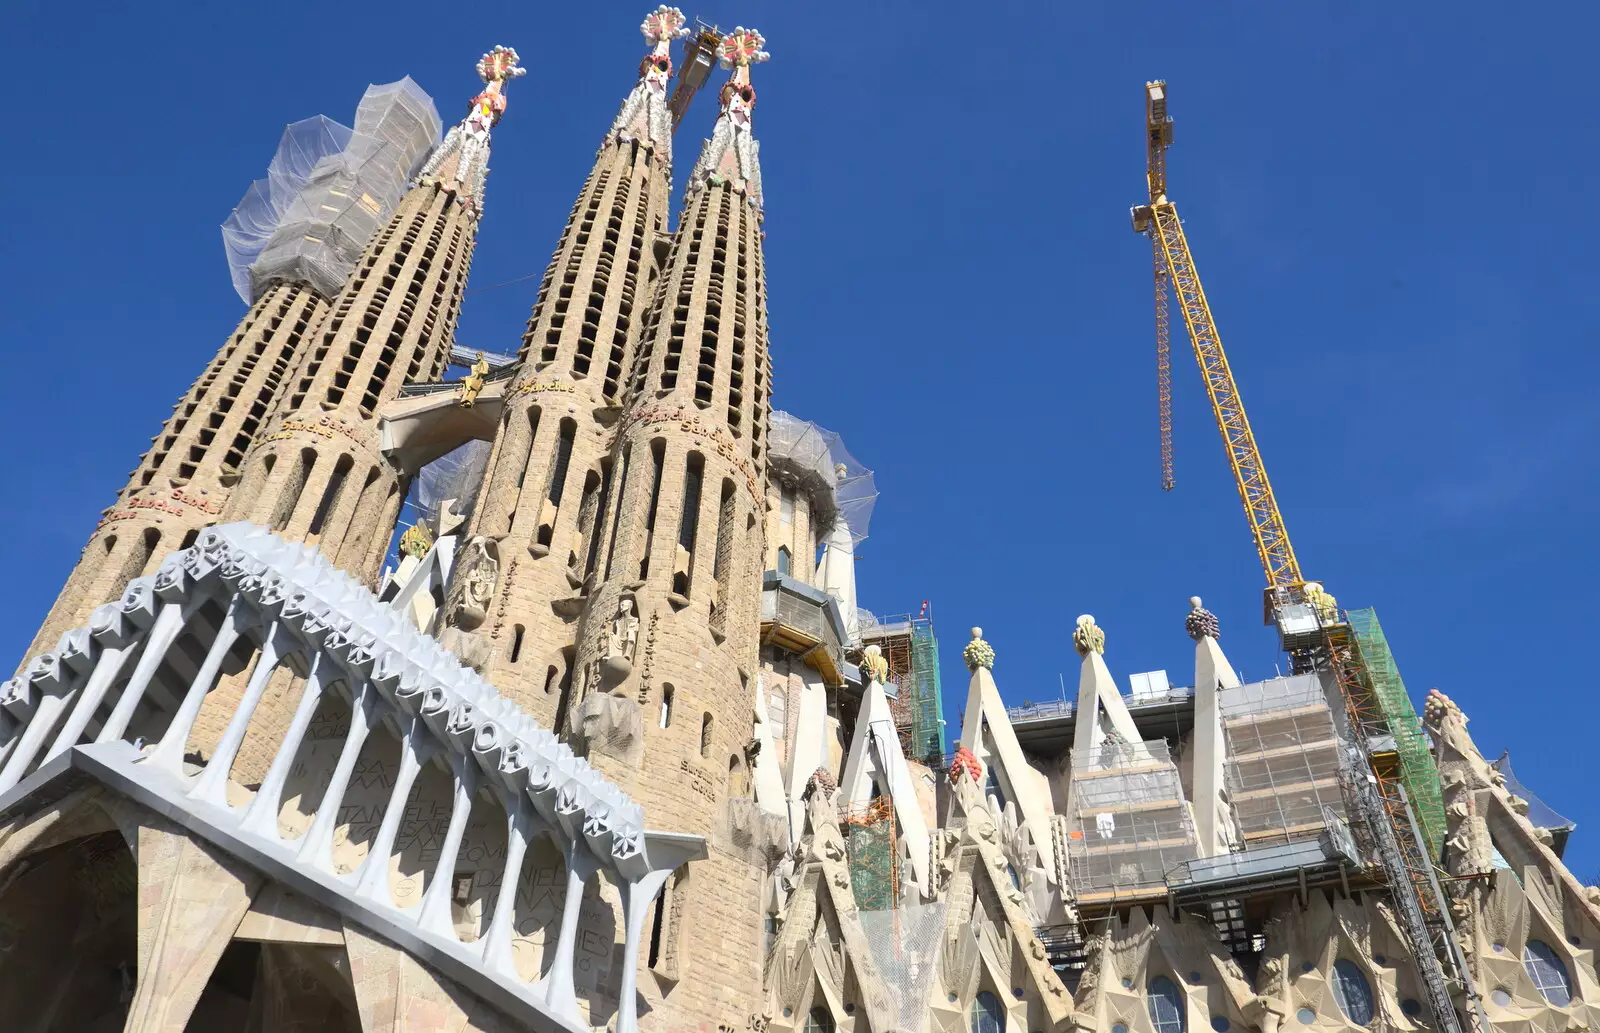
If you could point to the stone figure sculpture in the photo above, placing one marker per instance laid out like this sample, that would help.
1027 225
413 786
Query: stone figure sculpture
472 588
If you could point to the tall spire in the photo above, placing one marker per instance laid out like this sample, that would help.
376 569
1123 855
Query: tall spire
320 474
732 155
644 116
463 158
550 476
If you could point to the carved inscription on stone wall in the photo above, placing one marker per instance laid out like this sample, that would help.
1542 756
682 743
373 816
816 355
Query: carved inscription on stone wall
649 658
326 427
697 779
505 599
720 441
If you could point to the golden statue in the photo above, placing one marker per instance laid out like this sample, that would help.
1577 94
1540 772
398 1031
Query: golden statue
474 382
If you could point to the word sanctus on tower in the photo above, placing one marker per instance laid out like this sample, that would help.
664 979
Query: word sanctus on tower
411 688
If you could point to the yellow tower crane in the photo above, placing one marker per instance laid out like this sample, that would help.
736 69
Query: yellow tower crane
1312 629
1174 269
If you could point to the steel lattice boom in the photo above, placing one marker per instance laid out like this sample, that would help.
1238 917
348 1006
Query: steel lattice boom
1249 472
1174 269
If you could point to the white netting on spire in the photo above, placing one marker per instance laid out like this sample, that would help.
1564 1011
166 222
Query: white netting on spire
904 944
835 479
247 230
327 190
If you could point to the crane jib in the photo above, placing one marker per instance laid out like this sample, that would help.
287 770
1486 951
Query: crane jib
1244 456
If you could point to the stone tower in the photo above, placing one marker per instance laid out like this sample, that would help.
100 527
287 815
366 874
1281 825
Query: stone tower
319 474
549 474
298 255
668 644
183 482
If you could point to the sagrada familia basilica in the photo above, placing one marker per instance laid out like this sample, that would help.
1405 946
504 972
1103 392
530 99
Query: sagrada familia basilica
607 743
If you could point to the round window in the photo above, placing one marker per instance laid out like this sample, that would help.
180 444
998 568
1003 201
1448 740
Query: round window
1306 1016
1220 1023
1411 1006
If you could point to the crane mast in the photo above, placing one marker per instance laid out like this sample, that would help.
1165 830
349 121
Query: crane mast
1317 635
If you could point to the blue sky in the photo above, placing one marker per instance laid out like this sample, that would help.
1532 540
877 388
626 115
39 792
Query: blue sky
1386 202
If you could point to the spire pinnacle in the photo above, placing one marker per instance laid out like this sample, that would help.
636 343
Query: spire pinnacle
462 160
740 49
731 156
644 115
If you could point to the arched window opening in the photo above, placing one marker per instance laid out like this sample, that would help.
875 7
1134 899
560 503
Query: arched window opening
591 523
666 706
566 690
551 677
330 494
658 458
516 645
666 924
527 461
785 561
616 514
722 558
1547 973
688 524
987 1014
1166 1005
558 483
657 925
820 1021
705 735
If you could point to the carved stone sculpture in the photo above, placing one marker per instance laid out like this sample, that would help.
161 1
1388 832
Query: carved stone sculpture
1201 622
874 665
622 638
473 586
978 652
1088 637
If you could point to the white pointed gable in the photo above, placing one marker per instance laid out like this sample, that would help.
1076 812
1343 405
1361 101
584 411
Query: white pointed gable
875 755
986 731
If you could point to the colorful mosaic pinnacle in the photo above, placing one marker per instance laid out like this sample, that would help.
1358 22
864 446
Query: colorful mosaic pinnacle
740 49
500 64
663 25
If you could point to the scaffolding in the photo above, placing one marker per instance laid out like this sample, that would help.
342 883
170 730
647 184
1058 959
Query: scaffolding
869 836
327 191
1415 766
912 650
1128 824
1285 765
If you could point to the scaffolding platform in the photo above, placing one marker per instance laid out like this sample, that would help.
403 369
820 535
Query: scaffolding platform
1330 857
1285 765
1129 824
